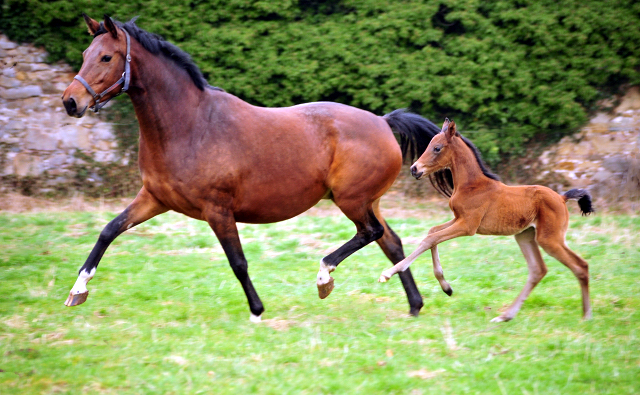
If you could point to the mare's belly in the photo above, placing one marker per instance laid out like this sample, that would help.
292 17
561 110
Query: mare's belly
277 204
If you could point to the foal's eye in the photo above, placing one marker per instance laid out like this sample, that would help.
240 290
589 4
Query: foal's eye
437 149
105 58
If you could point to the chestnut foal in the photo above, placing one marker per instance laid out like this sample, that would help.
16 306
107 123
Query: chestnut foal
536 215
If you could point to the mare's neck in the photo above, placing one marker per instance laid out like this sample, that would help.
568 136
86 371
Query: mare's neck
465 168
163 95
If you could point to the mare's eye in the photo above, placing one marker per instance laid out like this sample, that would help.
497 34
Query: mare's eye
105 58
437 149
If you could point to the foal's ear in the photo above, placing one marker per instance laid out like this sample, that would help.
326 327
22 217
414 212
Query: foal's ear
453 131
92 25
445 126
110 26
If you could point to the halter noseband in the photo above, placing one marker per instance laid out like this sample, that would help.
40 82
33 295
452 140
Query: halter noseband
126 78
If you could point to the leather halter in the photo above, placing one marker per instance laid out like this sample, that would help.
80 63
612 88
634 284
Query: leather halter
126 78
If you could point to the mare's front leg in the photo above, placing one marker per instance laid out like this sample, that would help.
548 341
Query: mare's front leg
459 228
368 228
224 226
143 207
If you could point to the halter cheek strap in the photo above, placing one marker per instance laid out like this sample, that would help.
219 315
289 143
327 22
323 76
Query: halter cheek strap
126 78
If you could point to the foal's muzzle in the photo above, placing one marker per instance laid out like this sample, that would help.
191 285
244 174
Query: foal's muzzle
415 173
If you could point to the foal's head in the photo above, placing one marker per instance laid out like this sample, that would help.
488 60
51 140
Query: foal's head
103 65
439 153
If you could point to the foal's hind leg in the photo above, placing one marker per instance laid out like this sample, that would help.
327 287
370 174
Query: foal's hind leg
143 207
556 247
537 270
392 247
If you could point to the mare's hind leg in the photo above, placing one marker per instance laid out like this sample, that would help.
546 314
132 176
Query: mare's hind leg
368 229
143 207
554 245
224 226
537 270
391 245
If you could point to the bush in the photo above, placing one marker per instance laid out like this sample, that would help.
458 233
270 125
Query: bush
505 70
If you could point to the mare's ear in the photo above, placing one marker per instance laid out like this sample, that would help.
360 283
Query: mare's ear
110 26
92 25
452 131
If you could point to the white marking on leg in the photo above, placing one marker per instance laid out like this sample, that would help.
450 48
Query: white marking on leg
80 286
255 318
130 225
323 273
405 263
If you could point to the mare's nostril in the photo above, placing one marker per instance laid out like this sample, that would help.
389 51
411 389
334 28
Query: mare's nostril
70 106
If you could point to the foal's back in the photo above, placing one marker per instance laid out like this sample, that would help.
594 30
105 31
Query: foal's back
512 209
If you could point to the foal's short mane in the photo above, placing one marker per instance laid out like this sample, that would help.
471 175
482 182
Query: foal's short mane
445 185
157 45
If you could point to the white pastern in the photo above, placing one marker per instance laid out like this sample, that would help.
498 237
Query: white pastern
255 318
80 286
323 273
385 276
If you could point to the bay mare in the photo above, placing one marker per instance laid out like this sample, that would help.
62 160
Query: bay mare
213 157
536 215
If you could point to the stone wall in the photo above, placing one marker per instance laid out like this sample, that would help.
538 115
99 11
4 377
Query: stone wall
37 138
603 157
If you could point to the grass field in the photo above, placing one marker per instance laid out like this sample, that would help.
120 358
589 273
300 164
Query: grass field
165 314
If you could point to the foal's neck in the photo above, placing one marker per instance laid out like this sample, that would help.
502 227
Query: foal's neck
464 167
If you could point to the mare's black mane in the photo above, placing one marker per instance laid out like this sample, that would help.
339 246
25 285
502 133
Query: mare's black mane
157 45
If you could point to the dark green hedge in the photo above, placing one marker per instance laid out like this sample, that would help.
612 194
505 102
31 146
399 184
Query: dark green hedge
506 70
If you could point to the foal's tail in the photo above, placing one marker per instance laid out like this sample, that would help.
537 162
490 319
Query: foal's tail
584 200
415 134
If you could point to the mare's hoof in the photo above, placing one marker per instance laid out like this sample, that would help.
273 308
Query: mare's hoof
325 289
501 319
255 318
415 311
76 299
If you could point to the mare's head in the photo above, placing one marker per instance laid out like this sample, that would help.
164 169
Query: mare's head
439 152
102 67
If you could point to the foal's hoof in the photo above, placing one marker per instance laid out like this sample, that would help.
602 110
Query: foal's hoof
448 291
383 278
501 319
325 289
76 299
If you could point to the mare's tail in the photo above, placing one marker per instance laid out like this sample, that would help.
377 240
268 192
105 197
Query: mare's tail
584 200
415 134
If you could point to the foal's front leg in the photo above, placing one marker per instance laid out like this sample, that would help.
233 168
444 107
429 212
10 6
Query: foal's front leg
457 229
143 207
435 259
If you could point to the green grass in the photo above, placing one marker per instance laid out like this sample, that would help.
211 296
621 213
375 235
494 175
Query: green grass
165 314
